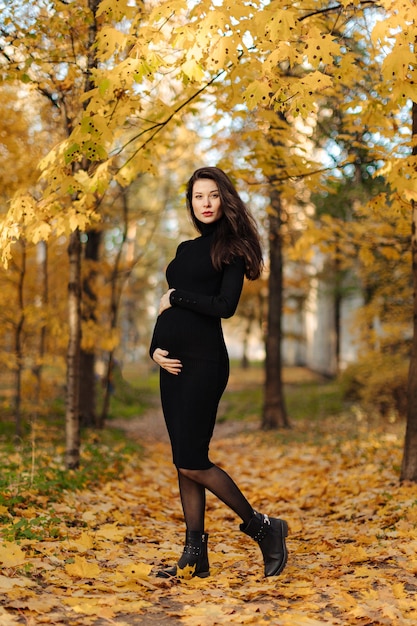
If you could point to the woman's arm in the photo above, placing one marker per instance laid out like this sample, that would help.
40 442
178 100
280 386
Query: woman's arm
223 304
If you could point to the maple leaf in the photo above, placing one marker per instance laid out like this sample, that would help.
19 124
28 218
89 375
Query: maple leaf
83 543
193 70
11 555
138 570
320 48
280 25
81 568
186 573
257 92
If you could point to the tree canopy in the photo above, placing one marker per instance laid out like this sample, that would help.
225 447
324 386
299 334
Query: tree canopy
108 98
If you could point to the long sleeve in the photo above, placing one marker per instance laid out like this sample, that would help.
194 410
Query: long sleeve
224 303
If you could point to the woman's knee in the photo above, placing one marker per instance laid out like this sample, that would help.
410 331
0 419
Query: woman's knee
192 474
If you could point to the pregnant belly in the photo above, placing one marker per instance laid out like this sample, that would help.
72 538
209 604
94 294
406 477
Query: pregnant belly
185 333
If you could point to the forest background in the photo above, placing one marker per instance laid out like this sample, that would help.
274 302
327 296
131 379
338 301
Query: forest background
108 106
106 109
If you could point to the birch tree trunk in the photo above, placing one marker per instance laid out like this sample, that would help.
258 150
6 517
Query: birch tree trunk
72 420
18 342
44 289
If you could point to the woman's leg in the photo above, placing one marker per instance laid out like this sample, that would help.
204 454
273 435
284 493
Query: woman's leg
221 485
193 500
269 533
194 559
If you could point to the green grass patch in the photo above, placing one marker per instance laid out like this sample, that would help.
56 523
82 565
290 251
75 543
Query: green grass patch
314 400
135 390
241 404
34 475
316 407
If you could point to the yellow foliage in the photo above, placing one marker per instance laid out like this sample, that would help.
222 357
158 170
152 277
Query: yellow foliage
186 573
119 10
193 70
351 546
81 568
11 555
320 48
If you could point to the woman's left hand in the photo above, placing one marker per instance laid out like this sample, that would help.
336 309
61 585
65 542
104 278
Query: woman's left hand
164 302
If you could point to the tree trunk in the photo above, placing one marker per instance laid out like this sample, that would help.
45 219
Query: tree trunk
18 349
87 391
338 299
409 462
274 411
72 422
245 361
87 356
44 287
116 290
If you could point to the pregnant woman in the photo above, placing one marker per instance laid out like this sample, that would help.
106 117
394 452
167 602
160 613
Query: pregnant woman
205 281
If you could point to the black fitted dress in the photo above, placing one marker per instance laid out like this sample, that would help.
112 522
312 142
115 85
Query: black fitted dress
191 331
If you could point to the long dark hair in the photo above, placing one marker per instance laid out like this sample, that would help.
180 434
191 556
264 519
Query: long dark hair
236 234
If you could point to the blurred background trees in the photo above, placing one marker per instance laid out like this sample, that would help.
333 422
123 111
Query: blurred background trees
107 108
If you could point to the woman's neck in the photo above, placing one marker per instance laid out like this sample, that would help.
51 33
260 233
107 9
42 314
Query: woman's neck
207 229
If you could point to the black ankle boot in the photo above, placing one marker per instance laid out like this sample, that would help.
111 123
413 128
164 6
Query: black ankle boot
270 533
194 559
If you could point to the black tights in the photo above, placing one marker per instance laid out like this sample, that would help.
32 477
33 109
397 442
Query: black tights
193 485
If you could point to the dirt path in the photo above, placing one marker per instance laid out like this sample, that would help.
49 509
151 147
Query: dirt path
352 546
344 567
150 428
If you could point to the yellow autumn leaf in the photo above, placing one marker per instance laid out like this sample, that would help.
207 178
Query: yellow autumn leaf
352 553
137 570
109 41
320 48
82 544
396 65
220 52
186 573
164 10
299 619
118 10
257 92
81 568
284 51
39 232
8 582
11 555
193 70
90 606
113 532
280 25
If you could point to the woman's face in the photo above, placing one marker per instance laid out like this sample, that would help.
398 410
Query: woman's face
206 201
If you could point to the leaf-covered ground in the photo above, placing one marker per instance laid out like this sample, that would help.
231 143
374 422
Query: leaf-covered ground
352 544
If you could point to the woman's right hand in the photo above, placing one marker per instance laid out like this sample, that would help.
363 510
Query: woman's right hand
173 366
